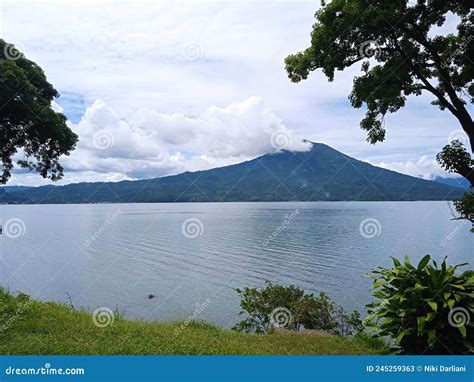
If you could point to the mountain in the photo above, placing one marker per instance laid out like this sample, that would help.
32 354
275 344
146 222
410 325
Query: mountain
319 174
455 182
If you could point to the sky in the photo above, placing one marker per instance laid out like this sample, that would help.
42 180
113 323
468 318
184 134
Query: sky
154 88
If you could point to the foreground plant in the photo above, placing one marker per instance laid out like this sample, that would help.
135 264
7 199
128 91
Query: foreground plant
289 307
427 309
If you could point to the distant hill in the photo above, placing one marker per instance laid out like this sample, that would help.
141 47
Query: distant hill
319 174
455 182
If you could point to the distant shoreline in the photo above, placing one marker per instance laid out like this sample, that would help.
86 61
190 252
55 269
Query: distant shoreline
229 202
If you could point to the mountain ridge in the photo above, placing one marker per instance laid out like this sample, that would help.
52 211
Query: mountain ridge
322 173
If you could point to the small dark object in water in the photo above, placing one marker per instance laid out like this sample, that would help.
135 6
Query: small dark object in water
150 296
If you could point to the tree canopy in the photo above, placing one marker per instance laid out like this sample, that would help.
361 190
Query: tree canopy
401 55
31 132
395 34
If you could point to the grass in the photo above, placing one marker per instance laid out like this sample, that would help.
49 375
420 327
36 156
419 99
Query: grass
37 328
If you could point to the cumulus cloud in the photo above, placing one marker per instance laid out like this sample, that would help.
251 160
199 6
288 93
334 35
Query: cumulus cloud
158 67
152 144
425 167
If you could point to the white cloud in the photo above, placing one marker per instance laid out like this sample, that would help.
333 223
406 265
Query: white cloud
425 167
152 144
170 112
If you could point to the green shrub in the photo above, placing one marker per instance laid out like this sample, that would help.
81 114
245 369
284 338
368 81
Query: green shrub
427 309
289 307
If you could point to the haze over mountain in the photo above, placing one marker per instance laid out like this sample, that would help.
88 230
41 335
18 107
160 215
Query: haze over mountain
319 174
455 182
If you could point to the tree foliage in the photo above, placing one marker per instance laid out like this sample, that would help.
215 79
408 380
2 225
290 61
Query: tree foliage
289 307
401 55
465 207
455 158
427 309
31 132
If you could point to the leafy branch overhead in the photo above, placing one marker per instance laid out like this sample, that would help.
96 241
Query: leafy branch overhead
400 57
30 129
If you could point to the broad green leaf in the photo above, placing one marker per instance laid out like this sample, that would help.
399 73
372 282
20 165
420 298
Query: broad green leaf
407 263
378 284
402 334
431 337
421 323
396 262
463 331
418 286
424 261
433 305
451 303
430 316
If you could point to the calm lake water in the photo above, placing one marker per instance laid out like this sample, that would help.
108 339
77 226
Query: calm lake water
192 256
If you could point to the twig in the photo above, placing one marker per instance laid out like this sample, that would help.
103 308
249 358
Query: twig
70 301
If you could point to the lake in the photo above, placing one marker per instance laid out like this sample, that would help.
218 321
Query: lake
192 256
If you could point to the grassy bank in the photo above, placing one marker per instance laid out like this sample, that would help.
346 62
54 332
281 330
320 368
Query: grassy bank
33 327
